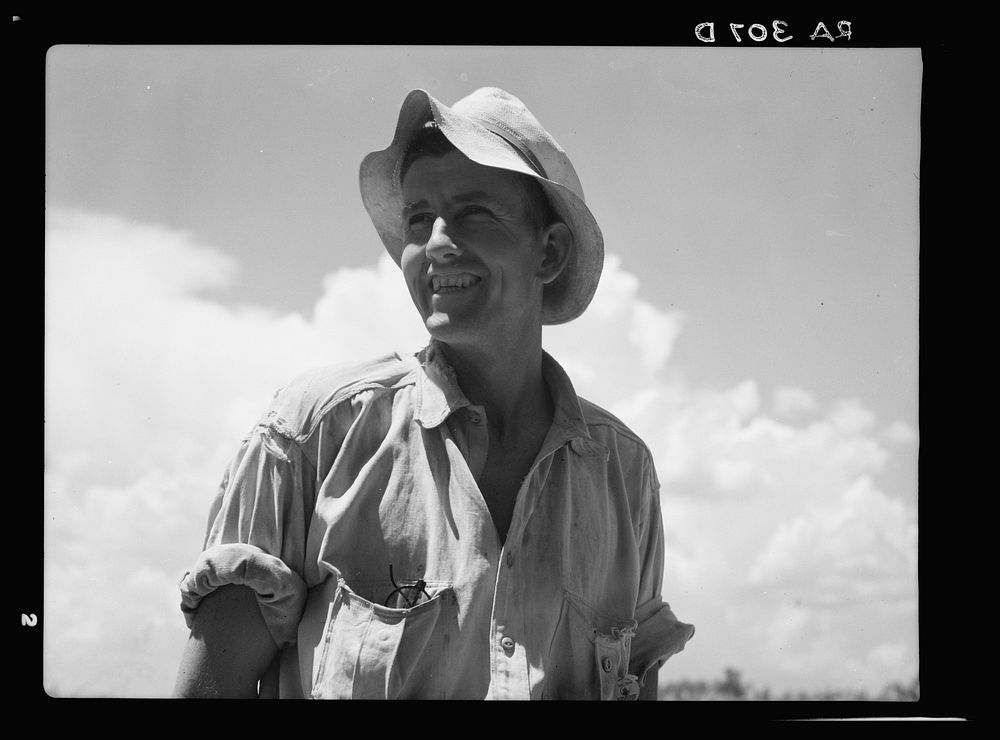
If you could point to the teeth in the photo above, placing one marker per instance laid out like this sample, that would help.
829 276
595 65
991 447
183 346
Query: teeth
452 281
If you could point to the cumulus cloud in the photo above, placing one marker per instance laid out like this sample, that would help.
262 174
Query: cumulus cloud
114 555
621 344
780 539
341 318
149 386
140 370
793 402
713 443
150 383
861 545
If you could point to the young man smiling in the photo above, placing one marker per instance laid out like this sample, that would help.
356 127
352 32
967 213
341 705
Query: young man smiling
476 261
455 523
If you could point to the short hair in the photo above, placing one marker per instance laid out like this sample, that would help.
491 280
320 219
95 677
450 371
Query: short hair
430 141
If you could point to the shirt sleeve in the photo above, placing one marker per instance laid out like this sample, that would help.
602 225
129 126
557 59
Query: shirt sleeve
659 633
256 533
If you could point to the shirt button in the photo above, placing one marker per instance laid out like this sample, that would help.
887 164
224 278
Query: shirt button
507 643
510 560
606 664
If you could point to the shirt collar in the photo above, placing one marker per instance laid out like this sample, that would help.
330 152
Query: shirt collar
439 396
568 423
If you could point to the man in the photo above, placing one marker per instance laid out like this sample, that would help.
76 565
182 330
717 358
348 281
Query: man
456 523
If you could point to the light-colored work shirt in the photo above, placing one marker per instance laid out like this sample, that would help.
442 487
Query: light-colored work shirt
354 470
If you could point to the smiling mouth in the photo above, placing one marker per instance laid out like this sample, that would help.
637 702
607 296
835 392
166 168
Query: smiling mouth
443 284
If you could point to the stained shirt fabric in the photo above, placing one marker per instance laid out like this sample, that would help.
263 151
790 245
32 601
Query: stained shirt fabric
354 470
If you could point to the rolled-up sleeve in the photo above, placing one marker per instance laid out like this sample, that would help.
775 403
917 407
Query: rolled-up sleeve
279 590
659 633
256 533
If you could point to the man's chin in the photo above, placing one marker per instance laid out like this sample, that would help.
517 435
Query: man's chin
451 330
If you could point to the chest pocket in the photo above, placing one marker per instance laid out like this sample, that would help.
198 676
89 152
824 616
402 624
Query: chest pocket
370 651
590 654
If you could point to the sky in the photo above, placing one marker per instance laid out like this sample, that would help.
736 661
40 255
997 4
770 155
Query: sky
756 321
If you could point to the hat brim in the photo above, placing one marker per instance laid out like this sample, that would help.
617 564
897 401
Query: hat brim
566 297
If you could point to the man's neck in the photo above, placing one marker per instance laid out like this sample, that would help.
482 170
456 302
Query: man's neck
506 381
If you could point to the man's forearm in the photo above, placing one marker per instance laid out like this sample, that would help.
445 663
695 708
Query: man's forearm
229 649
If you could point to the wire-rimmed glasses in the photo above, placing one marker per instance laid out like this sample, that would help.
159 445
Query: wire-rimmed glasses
407 594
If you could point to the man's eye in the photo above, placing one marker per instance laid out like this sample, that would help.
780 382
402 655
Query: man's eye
418 219
475 211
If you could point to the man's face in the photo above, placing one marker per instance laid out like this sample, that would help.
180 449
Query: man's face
471 257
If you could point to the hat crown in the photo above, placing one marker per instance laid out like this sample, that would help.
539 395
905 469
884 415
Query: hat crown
498 109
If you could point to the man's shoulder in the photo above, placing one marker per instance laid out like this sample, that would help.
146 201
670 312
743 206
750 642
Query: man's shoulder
608 428
299 406
627 451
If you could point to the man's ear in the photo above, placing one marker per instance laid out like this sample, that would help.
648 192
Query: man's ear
557 243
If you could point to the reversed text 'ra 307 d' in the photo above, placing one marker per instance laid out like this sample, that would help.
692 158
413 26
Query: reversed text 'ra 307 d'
780 32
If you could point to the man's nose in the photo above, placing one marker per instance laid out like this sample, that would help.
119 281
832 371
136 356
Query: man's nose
440 246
